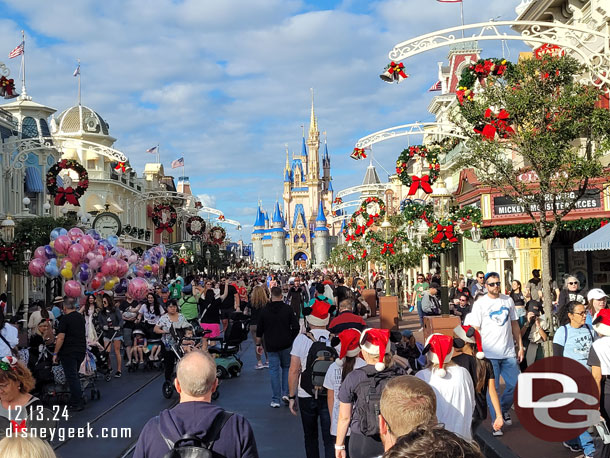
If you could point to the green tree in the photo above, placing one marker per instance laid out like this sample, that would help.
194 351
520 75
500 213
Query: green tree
535 118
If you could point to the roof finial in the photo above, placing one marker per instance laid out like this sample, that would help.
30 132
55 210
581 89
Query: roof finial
287 161
313 125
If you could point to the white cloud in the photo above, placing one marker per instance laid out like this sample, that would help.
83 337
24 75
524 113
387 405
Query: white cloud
207 200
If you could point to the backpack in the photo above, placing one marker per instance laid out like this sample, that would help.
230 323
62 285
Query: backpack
565 338
200 448
368 397
319 359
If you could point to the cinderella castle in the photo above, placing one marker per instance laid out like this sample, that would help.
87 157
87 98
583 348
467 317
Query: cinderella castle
300 235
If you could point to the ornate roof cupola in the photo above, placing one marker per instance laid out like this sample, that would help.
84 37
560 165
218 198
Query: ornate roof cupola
321 218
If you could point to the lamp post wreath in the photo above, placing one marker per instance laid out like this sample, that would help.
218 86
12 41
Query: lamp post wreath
415 182
195 225
161 223
217 235
67 194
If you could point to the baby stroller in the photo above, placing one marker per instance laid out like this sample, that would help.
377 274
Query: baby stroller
225 351
102 358
176 346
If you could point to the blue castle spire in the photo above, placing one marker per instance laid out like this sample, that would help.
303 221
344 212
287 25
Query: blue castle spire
277 214
304 149
259 218
321 216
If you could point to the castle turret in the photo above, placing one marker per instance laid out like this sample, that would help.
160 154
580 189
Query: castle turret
320 242
278 236
326 169
257 237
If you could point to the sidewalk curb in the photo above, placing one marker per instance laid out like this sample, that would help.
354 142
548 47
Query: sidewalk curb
492 447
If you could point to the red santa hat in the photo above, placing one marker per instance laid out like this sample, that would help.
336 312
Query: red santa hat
440 347
376 342
471 335
601 323
318 314
347 343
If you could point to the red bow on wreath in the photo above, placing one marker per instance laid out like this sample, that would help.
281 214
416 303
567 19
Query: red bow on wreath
7 254
603 222
444 232
360 230
388 248
221 218
164 227
364 253
182 261
350 257
120 167
417 182
64 195
497 124
358 153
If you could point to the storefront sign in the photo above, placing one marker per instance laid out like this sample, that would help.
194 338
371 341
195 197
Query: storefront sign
549 50
591 200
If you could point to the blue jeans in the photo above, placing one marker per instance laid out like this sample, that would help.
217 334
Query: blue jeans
420 312
279 360
508 369
584 441
71 364
312 409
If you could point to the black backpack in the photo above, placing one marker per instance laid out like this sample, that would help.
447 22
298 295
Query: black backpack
368 397
200 448
319 359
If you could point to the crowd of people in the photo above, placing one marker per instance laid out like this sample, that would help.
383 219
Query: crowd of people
359 391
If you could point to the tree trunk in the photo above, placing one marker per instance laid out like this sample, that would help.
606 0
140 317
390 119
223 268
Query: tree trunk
547 291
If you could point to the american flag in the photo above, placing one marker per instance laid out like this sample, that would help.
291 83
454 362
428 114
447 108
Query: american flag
178 163
17 51
152 150
436 87
77 71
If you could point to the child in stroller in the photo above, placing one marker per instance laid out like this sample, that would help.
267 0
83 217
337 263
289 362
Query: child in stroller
225 351
179 346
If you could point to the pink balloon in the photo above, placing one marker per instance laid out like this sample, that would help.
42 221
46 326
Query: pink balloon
75 234
39 253
72 288
109 266
62 243
36 267
122 268
76 253
87 242
155 269
138 288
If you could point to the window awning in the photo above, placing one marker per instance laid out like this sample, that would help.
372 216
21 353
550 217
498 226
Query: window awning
33 180
598 240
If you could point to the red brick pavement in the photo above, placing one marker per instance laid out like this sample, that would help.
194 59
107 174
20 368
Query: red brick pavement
516 438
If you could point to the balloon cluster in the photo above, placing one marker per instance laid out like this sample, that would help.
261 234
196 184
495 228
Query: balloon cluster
89 263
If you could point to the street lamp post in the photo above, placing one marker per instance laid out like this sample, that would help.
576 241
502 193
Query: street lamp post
27 256
8 236
182 253
386 227
441 197
208 256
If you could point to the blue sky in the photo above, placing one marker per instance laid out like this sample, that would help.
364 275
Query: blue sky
226 84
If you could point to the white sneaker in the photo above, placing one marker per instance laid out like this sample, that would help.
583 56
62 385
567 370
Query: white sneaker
507 420
259 366
275 405
497 433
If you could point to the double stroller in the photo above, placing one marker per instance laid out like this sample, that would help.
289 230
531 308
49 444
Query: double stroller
225 351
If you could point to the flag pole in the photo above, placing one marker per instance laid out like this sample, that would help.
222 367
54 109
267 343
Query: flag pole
462 16
23 91
158 154
79 72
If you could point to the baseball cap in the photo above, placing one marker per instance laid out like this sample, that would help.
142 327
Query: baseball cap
407 333
165 289
596 293
435 285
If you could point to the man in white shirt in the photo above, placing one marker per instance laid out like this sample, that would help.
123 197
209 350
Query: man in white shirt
495 317
311 408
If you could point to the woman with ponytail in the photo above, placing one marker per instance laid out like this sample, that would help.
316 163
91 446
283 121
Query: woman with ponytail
472 358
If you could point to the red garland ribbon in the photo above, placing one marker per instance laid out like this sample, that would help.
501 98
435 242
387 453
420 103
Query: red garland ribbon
497 124
221 218
603 222
388 248
398 69
182 261
423 183
120 167
64 195
444 232
351 257
7 254
364 253
164 227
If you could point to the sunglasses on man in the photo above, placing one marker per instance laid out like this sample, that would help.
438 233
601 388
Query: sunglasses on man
497 283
